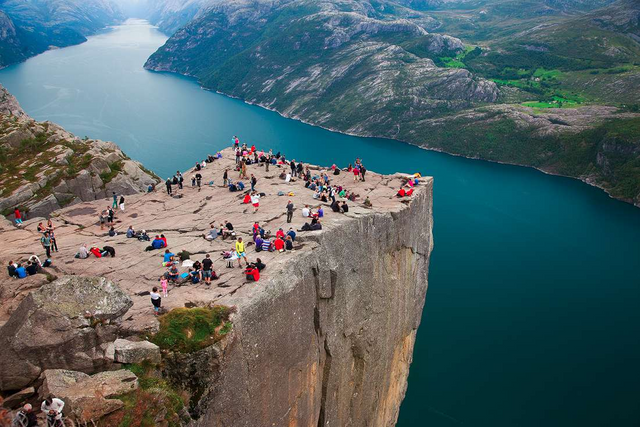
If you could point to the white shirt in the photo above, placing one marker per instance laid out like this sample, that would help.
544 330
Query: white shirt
56 405
305 212
255 199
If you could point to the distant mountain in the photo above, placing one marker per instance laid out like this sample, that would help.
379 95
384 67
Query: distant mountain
28 28
556 91
170 15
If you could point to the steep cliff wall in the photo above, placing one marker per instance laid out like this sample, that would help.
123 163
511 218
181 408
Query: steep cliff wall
328 339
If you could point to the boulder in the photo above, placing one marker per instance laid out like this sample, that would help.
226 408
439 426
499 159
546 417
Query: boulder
136 352
88 397
18 399
62 325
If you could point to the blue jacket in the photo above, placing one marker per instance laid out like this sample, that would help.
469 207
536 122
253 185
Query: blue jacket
157 244
21 272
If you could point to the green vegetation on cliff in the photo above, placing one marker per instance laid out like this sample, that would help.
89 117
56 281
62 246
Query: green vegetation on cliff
190 329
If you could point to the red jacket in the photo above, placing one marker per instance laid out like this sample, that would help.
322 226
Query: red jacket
254 272
279 244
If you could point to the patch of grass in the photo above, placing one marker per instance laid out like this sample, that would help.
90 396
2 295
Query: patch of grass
191 329
143 406
114 169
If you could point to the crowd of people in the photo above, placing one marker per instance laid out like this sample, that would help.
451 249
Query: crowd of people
180 268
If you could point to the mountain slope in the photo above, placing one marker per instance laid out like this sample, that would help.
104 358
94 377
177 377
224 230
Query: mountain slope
35 26
375 68
43 167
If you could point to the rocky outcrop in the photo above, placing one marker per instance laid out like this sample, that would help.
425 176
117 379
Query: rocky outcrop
135 351
328 339
66 324
87 397
46 167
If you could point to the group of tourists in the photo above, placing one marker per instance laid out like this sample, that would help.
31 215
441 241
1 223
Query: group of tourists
177 180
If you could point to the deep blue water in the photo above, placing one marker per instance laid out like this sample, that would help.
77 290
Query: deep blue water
533 310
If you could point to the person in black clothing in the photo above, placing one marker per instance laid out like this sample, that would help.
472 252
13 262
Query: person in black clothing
111 251
362 172
207 269
335 206
293 167
111 215
228 226
254 181
198 166
199 180
168 184
289 211
259 264
225 177
345 207
32 268
11 268
180 179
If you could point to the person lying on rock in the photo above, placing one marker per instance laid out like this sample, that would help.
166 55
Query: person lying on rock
52 407
108 251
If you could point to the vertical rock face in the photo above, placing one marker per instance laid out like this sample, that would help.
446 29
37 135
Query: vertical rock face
328 340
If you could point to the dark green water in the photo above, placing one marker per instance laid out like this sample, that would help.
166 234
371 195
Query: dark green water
533 310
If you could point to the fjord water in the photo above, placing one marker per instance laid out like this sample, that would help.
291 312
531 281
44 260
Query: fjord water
532 315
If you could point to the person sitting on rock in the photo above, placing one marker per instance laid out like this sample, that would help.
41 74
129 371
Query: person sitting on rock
131 233
157 243
32 268
344 208
112 232
11 269
173 273
25 417
252 273
288 243
306 212
143 236
280 234
367 202
267 246
278 244
52 407
167 258
213 233
21 272
83 252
